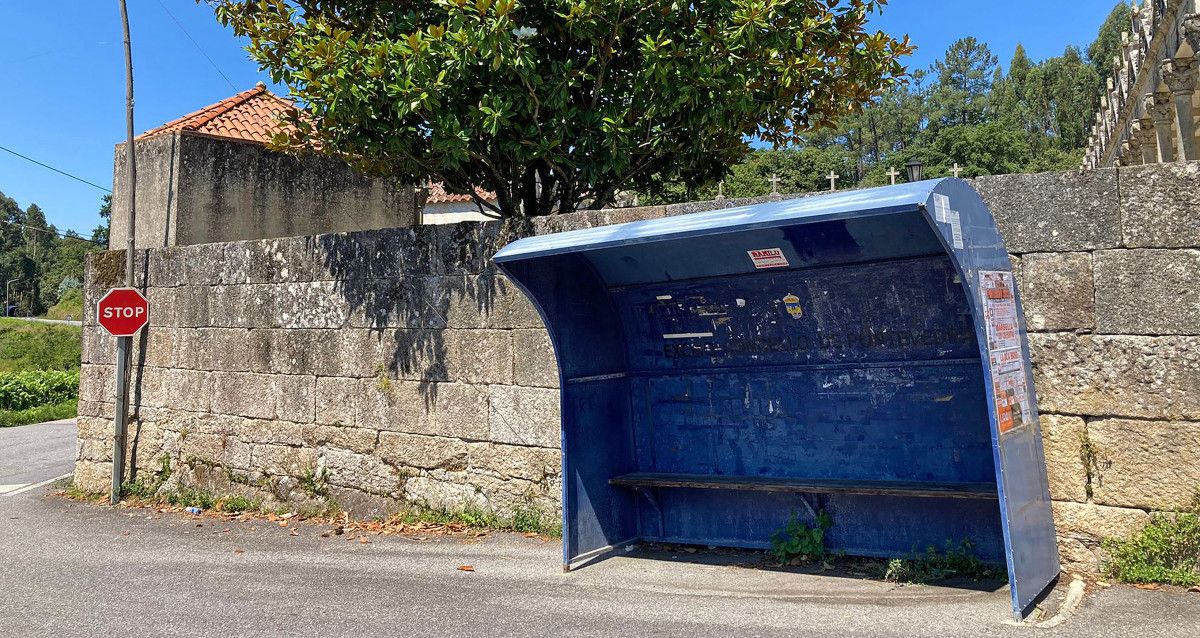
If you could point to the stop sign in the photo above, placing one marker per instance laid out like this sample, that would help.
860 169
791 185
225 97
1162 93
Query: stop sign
123 311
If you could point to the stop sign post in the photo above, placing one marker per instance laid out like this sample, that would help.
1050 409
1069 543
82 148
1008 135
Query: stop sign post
123 312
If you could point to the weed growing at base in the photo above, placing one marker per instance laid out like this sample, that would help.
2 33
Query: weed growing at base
798 542
527 519
1166 551
957 560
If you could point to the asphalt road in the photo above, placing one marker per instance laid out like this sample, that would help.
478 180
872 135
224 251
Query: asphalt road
31 454
72 569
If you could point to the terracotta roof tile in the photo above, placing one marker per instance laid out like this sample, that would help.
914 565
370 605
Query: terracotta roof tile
251 116
438 195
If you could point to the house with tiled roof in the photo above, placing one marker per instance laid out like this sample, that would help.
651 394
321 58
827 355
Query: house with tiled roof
250 116
209 177
443 207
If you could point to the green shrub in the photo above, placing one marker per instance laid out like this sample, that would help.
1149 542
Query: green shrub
23 390
1165 551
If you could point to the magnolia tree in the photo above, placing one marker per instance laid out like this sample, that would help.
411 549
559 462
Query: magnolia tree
556 105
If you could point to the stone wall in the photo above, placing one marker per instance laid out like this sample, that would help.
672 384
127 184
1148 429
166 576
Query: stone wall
373 367
198 189
1109 272
394 365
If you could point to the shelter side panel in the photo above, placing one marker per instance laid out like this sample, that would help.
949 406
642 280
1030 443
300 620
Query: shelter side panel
597 444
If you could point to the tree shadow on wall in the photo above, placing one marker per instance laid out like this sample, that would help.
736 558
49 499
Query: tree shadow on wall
415 287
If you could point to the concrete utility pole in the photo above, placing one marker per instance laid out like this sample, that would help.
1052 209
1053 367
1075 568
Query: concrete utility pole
123 343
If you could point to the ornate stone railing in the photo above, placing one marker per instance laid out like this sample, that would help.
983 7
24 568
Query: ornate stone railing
1148 113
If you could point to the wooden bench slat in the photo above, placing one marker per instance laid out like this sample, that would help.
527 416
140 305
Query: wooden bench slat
931 489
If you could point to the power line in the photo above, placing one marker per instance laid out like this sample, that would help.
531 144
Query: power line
61 172
196 44
66 235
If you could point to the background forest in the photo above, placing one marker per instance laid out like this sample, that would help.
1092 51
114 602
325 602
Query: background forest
41 269
963 109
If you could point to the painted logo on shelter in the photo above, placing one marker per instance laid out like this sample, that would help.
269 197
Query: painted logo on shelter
792 304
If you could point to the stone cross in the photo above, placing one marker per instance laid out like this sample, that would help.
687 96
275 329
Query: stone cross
774 184
833 178
892 174
956 170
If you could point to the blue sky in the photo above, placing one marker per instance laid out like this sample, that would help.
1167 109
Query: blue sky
63 69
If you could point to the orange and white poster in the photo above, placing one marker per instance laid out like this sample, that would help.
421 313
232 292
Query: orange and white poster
1009 383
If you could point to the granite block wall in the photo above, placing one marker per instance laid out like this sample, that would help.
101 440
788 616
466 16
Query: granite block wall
374 368
1109 272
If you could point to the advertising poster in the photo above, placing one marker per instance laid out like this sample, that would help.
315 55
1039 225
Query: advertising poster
1009 383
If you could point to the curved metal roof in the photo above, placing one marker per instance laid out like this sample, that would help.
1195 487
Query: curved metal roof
839 205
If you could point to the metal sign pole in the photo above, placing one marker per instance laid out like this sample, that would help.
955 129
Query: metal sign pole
121 409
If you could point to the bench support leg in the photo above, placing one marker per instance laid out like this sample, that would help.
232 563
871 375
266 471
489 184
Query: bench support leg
811 510
649 494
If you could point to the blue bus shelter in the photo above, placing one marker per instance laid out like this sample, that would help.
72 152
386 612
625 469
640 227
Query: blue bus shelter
861 353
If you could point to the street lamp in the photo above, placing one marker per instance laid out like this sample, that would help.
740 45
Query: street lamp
7 288
915 170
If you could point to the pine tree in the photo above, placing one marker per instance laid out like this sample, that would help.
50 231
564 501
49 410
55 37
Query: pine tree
964 80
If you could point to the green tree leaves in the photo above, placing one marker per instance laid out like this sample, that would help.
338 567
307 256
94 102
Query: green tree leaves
558 104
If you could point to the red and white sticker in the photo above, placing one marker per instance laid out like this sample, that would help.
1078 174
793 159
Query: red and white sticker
768 258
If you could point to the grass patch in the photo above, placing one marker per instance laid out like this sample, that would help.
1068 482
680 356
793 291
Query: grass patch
26 345
73 492
39 414
1166 551
69 308
190 497
956 560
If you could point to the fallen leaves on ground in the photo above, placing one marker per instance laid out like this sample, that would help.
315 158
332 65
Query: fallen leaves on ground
1148 586
466 568
1195 589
